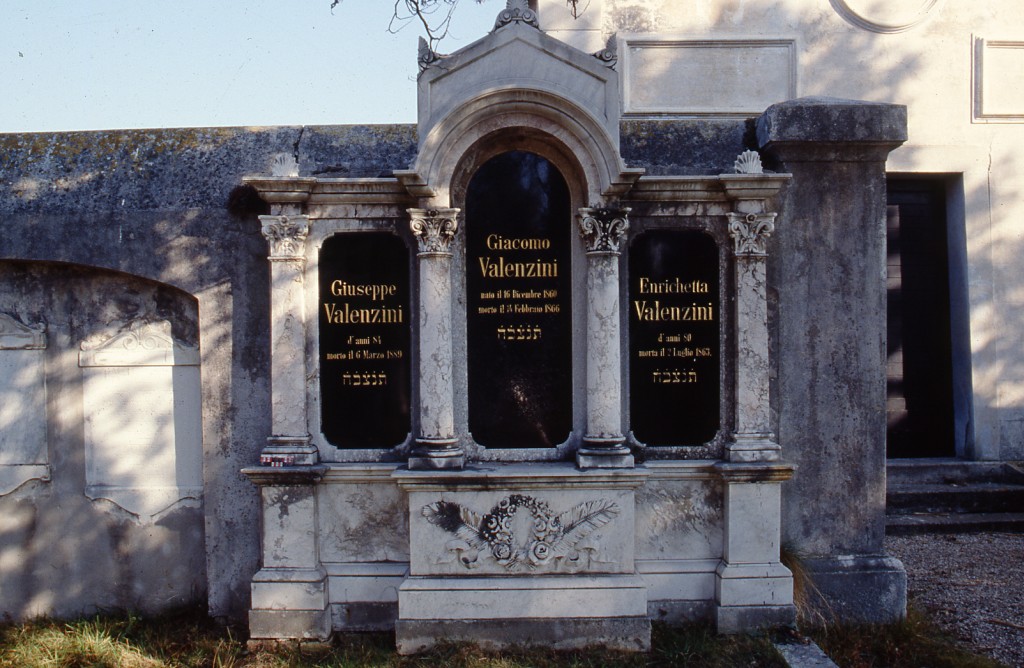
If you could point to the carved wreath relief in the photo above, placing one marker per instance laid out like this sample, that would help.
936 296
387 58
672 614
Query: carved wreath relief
550 540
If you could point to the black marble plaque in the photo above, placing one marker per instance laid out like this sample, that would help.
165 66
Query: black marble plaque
674 338
364 340
519 303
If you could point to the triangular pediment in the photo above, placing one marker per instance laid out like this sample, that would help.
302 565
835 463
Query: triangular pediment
518 56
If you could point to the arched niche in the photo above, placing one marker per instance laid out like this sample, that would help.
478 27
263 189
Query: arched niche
519 119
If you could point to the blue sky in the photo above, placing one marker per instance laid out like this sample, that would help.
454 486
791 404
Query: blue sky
101 64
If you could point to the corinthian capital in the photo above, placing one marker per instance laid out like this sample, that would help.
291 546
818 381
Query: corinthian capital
750 232
603 229
434 229
286 235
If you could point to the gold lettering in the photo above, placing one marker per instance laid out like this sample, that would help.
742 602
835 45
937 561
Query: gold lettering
655 312
346 315
501 269
672 286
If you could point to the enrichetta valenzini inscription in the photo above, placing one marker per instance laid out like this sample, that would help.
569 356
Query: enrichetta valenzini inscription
364 340
518 303
673 337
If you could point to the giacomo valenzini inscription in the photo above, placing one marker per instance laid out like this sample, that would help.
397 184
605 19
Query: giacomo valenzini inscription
551 538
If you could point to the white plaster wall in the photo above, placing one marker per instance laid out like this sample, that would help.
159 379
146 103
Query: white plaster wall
957 66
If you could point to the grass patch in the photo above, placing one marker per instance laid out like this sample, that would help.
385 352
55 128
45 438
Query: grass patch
912 643
188 639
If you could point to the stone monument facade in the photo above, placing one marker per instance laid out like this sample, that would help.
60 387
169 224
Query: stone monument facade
549 366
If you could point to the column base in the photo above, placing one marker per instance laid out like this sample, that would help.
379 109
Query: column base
604 453
748 448
731 620
858 589
437 455
753 596
289 451
604 460
290 604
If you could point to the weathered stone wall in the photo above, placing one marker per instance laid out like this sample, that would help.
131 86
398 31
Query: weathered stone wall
161 208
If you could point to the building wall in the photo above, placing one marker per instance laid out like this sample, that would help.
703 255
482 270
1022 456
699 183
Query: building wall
956 66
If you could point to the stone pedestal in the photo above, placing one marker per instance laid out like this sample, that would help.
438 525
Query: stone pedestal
289 593
752 587
522 554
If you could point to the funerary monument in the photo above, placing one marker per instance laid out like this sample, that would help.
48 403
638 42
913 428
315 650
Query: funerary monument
527 372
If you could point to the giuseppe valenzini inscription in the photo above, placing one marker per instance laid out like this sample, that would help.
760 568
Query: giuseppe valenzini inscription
364 340
674 379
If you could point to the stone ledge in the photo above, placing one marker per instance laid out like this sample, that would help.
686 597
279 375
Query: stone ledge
631 634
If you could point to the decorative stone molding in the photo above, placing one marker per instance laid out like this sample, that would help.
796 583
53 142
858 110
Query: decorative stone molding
748 162
143 343
603 229
143 435
23 449
16 336
517 11
552 540
286 235
889 17
750 232
434 229
609 56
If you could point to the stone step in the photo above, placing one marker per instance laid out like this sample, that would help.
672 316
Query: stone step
948 471
902 525
966 497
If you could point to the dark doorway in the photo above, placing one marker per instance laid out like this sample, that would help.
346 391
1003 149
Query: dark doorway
919 407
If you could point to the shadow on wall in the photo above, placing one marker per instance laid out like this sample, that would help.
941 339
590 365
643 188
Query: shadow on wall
119 524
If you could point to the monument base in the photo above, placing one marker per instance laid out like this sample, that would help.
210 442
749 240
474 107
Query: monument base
866 589
565 612
628 634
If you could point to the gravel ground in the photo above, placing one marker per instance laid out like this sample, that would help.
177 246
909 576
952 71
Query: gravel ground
973 584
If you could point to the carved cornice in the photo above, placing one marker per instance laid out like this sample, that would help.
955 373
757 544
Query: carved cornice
141 343
750 232
603 230
434 229
16 336
286 235
517 11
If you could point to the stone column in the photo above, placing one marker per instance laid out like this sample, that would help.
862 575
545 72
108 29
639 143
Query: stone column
830 282
752 587
603 231
436 446
289 443
752 439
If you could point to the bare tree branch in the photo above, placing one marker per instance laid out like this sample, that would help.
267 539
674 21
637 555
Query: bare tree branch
435 16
